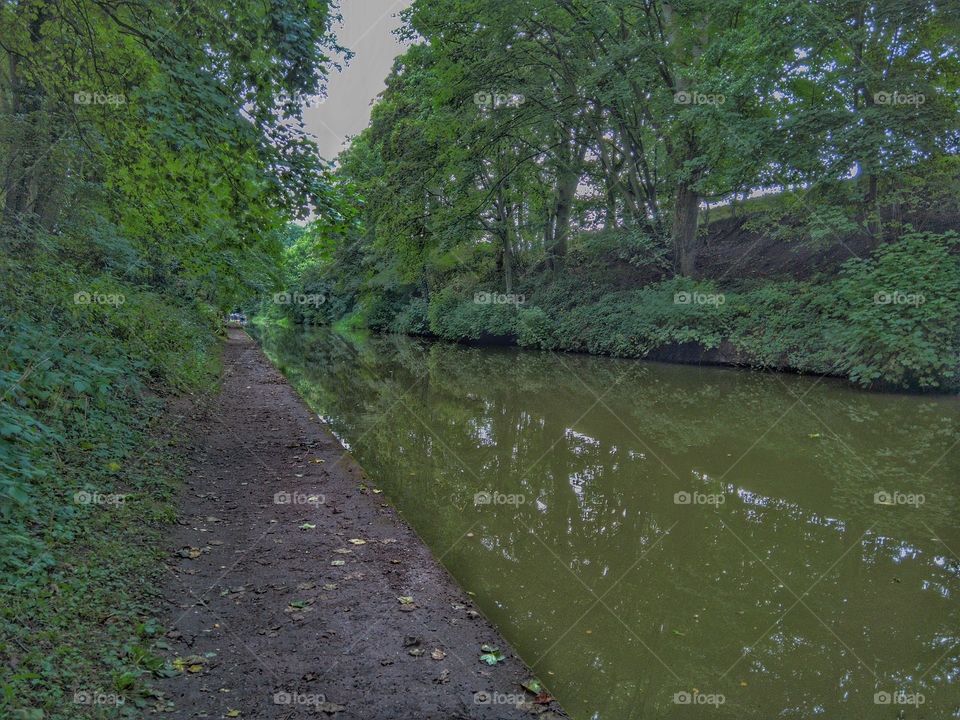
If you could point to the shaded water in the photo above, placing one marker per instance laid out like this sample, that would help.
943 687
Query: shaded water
646 535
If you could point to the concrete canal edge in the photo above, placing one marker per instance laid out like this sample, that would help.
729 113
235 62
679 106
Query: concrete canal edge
294 589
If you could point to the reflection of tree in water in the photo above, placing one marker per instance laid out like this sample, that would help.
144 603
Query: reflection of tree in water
436 423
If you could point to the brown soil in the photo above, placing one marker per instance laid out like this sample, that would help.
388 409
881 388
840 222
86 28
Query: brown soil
257 606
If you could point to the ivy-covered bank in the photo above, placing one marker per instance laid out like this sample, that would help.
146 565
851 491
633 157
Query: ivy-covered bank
90 362
888 319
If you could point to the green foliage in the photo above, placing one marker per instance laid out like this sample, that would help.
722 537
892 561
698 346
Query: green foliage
153 156
522 127
413 318
79 385
454 317
631 245
534 328
882 321
901 314
562 151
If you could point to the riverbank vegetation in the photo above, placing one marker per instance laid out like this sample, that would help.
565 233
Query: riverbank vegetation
150 156
773 185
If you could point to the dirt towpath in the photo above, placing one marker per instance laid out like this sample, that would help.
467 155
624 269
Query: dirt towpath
295 590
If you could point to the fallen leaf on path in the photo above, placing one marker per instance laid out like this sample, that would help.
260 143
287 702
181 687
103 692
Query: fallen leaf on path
338 562
307 526
358 541
233 713
491 655
533 685
405 599
190 663
438 654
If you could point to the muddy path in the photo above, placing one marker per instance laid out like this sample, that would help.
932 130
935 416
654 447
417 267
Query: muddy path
295 590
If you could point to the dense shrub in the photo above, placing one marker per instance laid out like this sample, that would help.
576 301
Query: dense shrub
454 317
891 319
413 318
82 384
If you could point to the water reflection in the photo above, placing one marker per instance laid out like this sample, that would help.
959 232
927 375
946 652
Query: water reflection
682 530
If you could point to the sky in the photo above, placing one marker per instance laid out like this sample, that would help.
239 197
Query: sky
367 31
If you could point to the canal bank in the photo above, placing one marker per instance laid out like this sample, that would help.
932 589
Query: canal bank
296 590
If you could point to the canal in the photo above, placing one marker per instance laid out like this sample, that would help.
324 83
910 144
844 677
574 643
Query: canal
665 541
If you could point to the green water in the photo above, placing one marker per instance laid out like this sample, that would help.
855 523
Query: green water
782 586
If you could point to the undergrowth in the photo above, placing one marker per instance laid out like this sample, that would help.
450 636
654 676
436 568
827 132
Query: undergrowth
91 358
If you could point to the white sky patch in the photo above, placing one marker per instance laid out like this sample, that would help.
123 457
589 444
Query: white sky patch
367 30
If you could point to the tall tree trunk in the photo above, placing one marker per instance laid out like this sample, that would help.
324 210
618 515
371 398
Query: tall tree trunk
507 261
565 192
548 230
873 207
686 218
570 162
22 100
504 215
610 217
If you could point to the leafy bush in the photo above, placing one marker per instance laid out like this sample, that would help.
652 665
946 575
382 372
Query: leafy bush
454 317
82 383
534 328
830 324
898 317
413 319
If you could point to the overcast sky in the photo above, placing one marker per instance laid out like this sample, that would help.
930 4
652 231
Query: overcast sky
367 31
